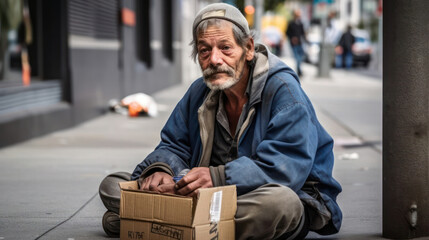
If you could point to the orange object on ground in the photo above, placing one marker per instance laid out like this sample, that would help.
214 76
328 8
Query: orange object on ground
140 104
134 109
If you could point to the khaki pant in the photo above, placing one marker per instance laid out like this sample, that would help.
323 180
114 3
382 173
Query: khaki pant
271 211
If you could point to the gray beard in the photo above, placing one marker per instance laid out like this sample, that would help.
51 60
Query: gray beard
231 81
228 84
210 71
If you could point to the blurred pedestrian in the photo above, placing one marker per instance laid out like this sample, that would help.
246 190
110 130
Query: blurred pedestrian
295 33
344 54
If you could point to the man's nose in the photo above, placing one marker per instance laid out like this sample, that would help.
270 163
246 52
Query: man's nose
216 57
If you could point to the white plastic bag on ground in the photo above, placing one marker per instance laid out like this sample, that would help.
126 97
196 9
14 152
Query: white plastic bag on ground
140 103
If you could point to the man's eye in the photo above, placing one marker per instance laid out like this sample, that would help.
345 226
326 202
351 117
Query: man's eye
204 51
226 48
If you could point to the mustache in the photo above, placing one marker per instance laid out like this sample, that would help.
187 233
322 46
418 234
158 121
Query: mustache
210 71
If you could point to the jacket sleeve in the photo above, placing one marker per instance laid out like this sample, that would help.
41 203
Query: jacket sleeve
284 156
174 151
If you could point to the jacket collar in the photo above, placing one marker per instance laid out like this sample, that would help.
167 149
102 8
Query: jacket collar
266 64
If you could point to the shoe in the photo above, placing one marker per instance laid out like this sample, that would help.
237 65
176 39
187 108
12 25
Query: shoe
111 224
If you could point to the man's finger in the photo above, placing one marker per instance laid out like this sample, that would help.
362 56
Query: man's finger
193 194
189 188
152 183
167 180
153 187
187 179
145 184
166 188
154 180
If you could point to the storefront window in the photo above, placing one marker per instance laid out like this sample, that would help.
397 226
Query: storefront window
15 38
32 53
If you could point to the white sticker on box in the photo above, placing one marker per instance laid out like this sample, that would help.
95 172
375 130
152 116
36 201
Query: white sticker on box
215 207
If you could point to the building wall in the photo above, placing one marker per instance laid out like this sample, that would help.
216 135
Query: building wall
163 72
350 12
99 62
95 79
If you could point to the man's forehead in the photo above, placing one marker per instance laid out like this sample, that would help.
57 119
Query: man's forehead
220 26
220 34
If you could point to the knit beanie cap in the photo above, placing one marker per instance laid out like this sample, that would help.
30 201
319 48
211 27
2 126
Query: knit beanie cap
221 11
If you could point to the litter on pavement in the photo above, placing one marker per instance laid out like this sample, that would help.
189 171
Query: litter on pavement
134 105
349 156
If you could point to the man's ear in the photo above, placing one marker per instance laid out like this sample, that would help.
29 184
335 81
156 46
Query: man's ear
250 47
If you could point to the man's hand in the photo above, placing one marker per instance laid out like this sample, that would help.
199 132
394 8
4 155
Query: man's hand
167 188
295 40
338 50
196 178
159 182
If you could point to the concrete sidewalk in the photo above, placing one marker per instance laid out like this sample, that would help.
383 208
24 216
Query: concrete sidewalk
49 185
349 105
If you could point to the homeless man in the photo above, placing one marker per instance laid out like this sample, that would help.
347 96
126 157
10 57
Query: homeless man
248 123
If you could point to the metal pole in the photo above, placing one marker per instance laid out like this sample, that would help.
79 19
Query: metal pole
325 54
406 119
259 9
380 45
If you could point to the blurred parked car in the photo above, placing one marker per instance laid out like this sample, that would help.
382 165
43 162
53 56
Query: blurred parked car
312 47
273 38
362 49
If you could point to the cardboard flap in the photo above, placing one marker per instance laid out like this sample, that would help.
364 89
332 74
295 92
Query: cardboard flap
131 185
147 206
228 207
134 187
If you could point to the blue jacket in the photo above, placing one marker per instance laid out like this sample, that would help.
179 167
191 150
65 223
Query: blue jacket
283 142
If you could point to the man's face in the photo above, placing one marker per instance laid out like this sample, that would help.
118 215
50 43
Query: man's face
297 14
221 59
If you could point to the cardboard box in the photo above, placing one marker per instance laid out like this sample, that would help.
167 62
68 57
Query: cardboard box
149 215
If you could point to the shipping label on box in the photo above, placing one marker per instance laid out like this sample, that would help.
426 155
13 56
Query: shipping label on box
149 215
135 229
